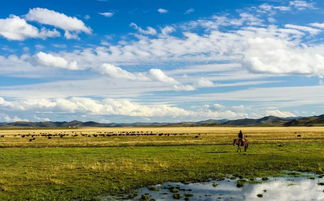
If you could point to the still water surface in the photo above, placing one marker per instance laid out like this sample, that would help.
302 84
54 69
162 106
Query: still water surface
287 188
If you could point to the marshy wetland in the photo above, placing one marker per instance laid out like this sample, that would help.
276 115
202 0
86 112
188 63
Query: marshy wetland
290 186
89 163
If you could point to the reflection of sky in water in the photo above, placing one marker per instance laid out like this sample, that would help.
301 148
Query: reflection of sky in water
275 189
302 189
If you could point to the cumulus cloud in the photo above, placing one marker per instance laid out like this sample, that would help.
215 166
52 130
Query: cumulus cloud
260 49
94 107
162 10
112 71
6 118
16 28
152 75
248 43
107 14
279 113
56 19
273 55
55 61
110 107
167 30
148 30
159 75
117 72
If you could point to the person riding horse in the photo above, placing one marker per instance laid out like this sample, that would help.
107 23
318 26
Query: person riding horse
241 141
241 136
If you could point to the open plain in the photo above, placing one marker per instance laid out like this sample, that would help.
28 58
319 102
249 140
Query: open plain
86 163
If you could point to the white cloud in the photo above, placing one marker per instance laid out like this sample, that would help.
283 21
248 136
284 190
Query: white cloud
110 107
70 35
217 48
273 55
151 75
209 45
167 30
7 118
55 61
189 11
301 5
107 14
303 28
239 108
278 113
181 87
56 19
16 28
148 30
5 103
203 82
261 49
94 107
162 10
117 72
159 75
280 189
267 7
318 25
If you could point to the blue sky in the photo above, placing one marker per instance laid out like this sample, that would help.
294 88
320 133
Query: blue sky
168 61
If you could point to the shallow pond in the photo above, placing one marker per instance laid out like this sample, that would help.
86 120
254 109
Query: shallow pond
288 188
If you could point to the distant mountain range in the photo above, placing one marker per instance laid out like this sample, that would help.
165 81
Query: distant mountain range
265 121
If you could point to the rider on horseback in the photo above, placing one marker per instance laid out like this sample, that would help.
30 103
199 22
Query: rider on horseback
241 136
241 141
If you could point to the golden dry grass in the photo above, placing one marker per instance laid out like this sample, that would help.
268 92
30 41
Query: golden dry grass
144 136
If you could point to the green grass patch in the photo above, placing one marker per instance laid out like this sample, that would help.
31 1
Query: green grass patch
86 173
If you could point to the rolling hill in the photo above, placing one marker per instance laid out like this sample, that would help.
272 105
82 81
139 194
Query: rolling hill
264 121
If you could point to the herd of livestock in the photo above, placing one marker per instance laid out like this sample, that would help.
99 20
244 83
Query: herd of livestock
32 136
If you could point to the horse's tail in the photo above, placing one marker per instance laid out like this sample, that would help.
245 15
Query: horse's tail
234 142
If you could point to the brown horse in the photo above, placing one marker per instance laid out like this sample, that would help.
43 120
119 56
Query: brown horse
239 142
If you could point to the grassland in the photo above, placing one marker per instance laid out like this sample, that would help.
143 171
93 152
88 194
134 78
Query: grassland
83 167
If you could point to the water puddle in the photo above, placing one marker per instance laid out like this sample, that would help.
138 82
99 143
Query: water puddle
293 187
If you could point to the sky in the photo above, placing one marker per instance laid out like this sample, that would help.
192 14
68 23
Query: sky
160 61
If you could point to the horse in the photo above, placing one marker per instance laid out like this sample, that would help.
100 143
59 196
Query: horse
239 142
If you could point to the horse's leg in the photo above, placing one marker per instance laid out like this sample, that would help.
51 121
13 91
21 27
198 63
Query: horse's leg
246 147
